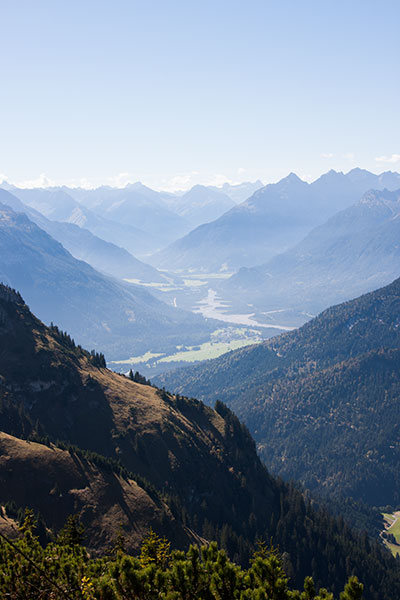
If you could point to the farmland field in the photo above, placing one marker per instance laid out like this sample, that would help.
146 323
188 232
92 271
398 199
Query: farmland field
393 527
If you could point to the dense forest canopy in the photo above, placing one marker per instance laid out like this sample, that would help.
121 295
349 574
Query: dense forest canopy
63 569
321 401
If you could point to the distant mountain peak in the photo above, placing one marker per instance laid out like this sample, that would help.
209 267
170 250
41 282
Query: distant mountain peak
198 187
292 177
136 185
330 177
206 192
358 170
290 181
7 186
333 173
357 175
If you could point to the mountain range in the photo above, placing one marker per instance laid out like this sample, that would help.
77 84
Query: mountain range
272 220
239 192
355 251
84 245
136 217
321 401
200 204
98 310
58 205
138 206
78 437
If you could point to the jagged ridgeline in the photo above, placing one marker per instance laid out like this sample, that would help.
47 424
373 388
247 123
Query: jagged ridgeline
78 438
323 401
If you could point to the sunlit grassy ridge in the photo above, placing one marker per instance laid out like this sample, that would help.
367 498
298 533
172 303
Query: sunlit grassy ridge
393 521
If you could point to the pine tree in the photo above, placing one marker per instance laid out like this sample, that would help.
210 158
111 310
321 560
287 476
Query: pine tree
72 533
353 590
154 550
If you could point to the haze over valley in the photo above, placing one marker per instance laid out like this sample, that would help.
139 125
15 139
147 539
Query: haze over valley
260 267
200 300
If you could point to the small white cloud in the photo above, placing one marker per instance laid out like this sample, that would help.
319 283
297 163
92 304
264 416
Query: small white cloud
121 180
43 181
218 180
178 182
83 182
241 170
349 156
40 182
188 180
327 155
394 158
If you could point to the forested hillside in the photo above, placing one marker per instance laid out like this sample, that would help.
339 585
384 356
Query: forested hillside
124 455
321 401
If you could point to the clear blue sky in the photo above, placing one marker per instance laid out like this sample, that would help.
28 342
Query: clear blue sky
173 92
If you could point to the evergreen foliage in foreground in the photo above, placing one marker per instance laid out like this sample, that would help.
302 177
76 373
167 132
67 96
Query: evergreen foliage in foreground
64 570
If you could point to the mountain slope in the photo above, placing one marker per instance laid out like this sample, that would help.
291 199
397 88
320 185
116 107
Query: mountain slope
58 205
355 251
321 401
272 220
136 205
100 312
101 255
255 227
195 469
59 483
84 245
239 192
201 204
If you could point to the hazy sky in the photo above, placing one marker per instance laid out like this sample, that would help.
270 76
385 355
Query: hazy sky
177 92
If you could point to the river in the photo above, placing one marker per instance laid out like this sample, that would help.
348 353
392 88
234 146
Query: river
212 307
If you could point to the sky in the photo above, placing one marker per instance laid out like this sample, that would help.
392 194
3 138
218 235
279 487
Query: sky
178 92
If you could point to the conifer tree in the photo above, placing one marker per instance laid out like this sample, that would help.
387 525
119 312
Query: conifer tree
353 590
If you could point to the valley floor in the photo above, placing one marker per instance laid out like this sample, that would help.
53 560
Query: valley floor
236 326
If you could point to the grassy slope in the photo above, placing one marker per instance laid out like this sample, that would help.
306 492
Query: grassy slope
58 483
393 527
